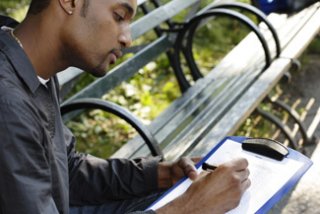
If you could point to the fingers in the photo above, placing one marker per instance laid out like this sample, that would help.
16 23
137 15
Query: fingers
243 175
239 164
238 172
196 159
188 168
245 184
244 179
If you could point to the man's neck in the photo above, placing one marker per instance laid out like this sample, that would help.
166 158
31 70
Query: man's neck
41 44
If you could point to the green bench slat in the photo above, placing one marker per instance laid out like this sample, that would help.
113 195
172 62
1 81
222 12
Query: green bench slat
204 115
247 103
158 16
217 108
125 70
205 112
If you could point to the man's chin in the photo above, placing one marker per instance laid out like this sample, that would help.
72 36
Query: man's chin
98 72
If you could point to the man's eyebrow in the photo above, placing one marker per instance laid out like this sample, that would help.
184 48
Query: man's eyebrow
128 7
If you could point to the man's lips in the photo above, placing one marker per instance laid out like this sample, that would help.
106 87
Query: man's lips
114 55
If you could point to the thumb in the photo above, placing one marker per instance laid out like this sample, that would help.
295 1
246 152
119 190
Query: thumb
193 175
188 168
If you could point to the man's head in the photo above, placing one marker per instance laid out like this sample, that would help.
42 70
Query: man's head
91 32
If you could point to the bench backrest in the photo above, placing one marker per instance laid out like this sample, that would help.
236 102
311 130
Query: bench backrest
160 14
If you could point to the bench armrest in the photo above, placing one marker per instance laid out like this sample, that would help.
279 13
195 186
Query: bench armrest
188 31
92 103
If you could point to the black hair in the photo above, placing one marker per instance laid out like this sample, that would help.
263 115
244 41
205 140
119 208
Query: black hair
37 6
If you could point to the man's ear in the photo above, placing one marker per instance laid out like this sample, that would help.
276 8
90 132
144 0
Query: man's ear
68 5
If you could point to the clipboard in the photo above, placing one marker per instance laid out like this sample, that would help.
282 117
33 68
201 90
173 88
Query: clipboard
258 198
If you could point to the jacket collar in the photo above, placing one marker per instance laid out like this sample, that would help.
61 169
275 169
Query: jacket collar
19 60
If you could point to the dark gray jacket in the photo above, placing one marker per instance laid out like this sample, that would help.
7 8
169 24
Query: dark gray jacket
39 167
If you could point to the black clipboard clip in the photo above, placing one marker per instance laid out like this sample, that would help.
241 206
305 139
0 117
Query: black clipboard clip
266 147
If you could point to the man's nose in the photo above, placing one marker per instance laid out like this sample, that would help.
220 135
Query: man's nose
125 39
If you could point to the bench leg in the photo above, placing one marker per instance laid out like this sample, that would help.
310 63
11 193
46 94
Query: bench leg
308 140
284 128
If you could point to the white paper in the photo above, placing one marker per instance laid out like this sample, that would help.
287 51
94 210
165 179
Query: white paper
267 177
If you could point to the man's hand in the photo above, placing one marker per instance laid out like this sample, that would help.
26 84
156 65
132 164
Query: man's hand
170 173
215 192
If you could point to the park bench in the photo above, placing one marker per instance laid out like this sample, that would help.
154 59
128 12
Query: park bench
211 106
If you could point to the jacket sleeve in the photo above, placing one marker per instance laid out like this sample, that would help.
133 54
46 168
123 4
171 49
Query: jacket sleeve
94 181
25 180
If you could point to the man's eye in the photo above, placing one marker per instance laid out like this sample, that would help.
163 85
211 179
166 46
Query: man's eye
118 17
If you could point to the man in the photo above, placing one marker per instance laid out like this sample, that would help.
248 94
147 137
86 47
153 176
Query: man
40 172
